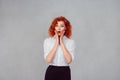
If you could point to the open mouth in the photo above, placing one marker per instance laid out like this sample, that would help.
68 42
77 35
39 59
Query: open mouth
59 31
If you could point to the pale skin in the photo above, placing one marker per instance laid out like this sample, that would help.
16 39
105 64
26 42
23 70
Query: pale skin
59 33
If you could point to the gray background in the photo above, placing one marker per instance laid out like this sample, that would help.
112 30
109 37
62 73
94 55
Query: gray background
24 26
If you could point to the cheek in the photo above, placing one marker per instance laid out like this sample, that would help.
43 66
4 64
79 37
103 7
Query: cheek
63 28
56 28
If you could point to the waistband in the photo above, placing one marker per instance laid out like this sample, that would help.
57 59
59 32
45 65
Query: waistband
59 66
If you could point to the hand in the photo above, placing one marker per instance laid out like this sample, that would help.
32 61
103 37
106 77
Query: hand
57 37
61 36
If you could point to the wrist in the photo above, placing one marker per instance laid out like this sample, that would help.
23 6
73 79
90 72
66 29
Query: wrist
62 44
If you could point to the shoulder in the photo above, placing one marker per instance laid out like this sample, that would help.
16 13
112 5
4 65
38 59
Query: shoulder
48 39
70 41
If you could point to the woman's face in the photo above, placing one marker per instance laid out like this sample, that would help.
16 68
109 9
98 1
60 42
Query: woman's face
60 26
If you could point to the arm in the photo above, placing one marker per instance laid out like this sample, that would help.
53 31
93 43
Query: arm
51 54
67 55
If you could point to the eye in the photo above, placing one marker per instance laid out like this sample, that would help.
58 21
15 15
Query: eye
62 26
56 26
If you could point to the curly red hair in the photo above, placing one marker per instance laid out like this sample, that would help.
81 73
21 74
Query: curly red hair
68 26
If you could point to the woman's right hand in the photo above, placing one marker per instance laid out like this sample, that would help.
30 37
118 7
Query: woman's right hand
57 37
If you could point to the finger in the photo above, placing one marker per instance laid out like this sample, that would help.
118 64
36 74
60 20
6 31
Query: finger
63 32
55 31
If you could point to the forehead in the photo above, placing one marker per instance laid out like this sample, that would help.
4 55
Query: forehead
60 22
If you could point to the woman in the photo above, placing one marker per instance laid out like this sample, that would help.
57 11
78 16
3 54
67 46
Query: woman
59 50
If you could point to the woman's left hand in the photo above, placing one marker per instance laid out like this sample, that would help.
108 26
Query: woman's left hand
61 36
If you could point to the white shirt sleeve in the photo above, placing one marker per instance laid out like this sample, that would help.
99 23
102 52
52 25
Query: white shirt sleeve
46 47
71 48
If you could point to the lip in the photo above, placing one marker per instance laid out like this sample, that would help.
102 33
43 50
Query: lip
59 31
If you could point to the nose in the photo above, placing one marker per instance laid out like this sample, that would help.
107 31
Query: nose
59 29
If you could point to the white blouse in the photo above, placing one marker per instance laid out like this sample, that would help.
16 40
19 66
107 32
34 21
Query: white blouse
59 59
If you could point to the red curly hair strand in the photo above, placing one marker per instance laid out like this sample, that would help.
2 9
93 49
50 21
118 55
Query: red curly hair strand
68 26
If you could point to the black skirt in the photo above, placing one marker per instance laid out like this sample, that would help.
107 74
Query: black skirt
58 73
